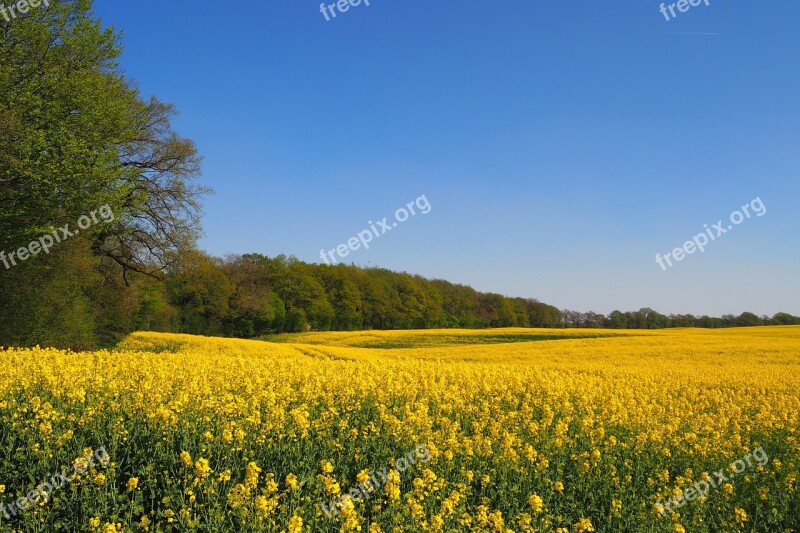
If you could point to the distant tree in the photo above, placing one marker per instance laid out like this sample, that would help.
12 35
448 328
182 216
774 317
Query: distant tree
617 320
380 300
432 304
572 319
343 294
296 320
299 289
201 291
460 304
748 319
541 315
655 320
682 321
593 320
254 309
785 319
637 319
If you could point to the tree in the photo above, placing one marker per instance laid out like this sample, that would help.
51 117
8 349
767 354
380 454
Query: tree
572 318
655 320
682 321
49 303
541 315
617 320
342 291
254 308
748 319
159 204
202 292
301 291
459 304
75 136
785 319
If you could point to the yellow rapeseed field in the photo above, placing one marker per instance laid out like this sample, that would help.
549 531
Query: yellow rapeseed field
441 431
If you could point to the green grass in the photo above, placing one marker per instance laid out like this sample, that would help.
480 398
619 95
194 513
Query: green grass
423 341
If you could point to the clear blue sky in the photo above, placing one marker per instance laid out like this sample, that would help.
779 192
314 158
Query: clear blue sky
561 144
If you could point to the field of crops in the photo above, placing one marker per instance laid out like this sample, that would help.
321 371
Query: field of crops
501 430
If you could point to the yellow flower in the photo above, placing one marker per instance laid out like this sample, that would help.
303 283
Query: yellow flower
202 469
100 479
186 458
363 476
332 486
296 524
501 409
536 503
392 488
251 475
264 506
80 465
237 495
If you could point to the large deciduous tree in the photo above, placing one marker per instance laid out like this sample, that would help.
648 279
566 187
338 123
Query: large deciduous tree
76 135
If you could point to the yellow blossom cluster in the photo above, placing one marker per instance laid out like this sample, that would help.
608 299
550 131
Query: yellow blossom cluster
526 430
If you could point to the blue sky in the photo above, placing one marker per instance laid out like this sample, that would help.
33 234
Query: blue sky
561 144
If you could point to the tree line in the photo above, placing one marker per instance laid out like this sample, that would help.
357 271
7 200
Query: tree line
646 318
77 137
255 295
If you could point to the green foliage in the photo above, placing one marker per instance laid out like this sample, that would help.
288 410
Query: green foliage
46 303
75 135
274 295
